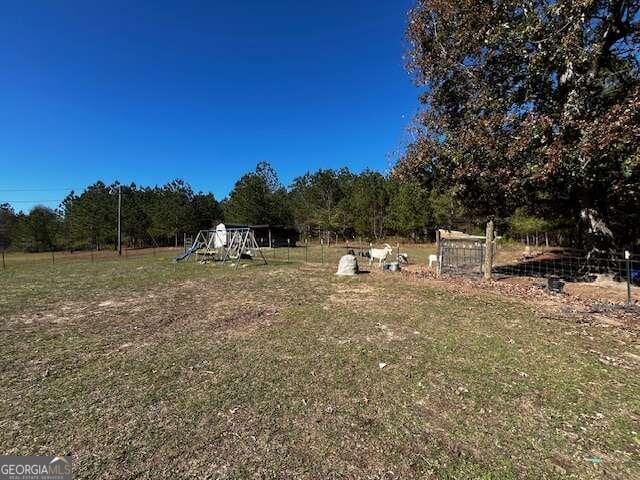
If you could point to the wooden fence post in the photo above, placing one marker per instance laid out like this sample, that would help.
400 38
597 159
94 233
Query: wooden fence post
488 254
627 257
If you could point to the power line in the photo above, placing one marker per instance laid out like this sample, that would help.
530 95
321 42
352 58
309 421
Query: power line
29 201
35 189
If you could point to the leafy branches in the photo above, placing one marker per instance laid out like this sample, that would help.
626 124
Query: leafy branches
530 104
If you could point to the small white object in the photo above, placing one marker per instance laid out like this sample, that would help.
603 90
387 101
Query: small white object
627 254
220 239
433 259
381 365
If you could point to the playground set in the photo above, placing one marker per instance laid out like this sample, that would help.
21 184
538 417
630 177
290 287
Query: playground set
223 245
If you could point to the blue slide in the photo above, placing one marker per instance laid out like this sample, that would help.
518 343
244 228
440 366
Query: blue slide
189 252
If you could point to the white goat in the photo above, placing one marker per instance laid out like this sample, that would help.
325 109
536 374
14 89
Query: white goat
380 254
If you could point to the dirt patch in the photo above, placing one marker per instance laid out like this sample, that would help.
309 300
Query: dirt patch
580 302
358 295
245 322
607 291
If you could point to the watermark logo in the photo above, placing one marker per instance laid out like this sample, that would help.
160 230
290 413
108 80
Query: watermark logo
35 468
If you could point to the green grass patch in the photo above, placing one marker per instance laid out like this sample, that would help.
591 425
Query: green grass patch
149 369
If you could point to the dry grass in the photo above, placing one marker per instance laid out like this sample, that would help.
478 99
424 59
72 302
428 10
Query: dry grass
148 369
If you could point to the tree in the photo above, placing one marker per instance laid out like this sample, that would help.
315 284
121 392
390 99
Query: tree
447 210
318 200
206 211
530 103
258 198
368 204
523 224
91 218
135 221
8 221
39 230
409 209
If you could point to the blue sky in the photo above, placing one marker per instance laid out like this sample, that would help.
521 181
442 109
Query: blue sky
151 91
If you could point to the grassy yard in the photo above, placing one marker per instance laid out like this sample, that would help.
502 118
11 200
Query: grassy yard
148 369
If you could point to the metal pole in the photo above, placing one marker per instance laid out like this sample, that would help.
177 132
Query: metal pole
306 250
288 250
4 266
627 257
53 258
119 219
322 250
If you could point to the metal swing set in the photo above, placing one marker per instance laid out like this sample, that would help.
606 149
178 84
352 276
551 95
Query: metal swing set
224 245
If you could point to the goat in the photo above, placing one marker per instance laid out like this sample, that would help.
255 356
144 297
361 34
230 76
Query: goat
380 254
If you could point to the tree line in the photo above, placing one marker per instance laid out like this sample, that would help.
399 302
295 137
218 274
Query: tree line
151 216
335 203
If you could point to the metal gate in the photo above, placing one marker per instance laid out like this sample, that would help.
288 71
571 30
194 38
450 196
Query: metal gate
461 256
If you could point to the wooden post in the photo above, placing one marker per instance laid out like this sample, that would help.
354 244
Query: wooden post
270 245
438 240
627 257
53 258
488 254
4 266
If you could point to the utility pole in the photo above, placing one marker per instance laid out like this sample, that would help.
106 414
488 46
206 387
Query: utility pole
119 220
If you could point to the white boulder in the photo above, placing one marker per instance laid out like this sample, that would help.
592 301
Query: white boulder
348 265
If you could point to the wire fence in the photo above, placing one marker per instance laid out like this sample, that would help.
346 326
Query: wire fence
573 265
612 269
13 260
303 252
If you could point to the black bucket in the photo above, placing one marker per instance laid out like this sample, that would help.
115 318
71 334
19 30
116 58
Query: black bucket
555 285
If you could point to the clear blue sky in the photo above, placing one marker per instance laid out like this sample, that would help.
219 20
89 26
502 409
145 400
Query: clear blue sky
148 91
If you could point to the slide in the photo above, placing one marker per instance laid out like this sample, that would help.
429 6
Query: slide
189 252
